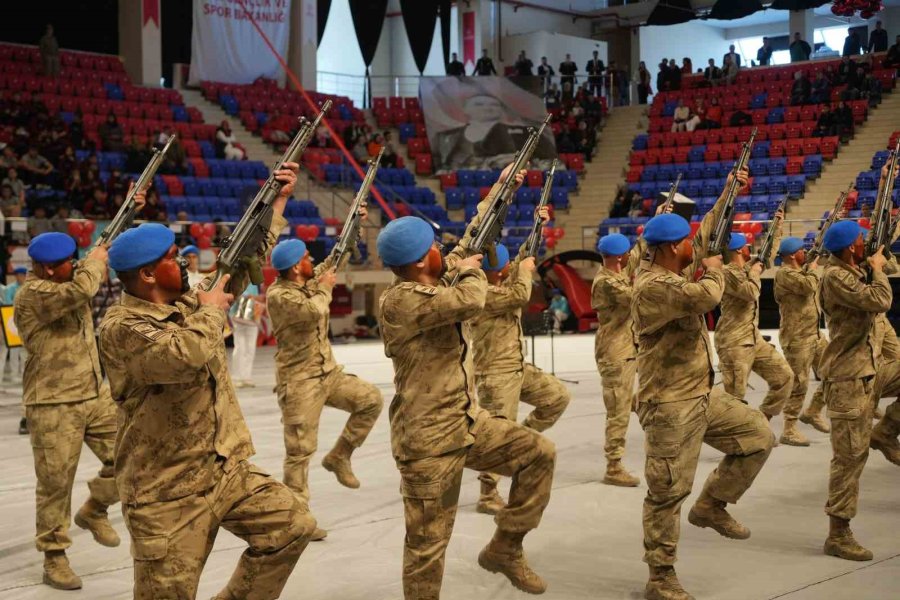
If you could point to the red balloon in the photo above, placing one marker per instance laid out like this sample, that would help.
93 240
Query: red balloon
551 243
209 229
559 233
204 243
90 226
84 240
76 228
640 230
196 230
313 232
298 231
750 237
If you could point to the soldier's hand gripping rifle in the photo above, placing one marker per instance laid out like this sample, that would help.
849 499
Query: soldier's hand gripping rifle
768 245
125 215
533 242
819 243
882 227
240 248
350 233
485 236
721 234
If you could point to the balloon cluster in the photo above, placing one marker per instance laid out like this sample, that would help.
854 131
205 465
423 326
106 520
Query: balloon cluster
865 8
203 233
82 231
552 235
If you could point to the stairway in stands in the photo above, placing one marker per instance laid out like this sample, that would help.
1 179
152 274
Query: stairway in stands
603 175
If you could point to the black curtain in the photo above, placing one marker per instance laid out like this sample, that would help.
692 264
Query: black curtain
88 25
322 9
444 9
177 27
419 17
798 4
671 12
727 10
368 20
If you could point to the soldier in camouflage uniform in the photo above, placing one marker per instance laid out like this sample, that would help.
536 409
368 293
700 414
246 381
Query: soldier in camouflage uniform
66 401
437 427
615 347
307 376
678 407
849 364
502 376
739 343
796 288
183 448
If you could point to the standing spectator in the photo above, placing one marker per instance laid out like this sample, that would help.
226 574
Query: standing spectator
662 77
36 168
567 70
484 66
112 136
852 44
546 71
735 57
49 49
621 82
712 74
559 307
729 70
892 59
643 83
674 76
226 143
687 66
801 89
799 49
524 67
595 68
455 68
877 39
764 54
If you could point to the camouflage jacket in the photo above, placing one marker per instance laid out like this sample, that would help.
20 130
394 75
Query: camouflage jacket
739 322
611 295
851 308
300 316
497 332
796 292
55 322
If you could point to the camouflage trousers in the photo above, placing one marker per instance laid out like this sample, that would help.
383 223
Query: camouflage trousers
301 403
802 357
850 409
171 540
430 488
617 379
737 362
57 434
887 385
675 431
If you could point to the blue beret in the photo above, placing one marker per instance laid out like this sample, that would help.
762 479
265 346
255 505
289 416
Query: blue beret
502 259
20 271
737 241
51 247
841 235
666 228
140 246
190 249
614 244
789 245
287 254
404 241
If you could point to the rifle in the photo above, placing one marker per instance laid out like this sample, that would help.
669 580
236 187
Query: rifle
819 243
764 255
671 197
350 233
718 241
533 242
488 232
125 215
882 228
250 232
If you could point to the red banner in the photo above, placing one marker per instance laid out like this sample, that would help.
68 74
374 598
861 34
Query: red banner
468 36
151 12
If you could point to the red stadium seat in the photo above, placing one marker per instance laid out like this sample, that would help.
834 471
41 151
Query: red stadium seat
423 164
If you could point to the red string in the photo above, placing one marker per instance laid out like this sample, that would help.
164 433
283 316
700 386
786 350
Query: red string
293 77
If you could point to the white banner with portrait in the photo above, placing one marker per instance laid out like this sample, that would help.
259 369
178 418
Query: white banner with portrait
480 122
226 47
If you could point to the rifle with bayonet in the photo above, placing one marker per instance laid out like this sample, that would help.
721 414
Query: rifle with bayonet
882 227
125 215
767 248
819 244
350 233
718 241
486 235
241 247
533 242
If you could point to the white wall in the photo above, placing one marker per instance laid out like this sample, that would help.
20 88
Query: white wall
555 46
693 40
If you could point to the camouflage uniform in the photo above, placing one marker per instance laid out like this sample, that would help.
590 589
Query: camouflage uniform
849 365
182 453
740 346
66 401
678 408
309 379
887 382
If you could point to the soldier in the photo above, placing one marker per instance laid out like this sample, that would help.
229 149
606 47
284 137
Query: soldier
849 364
191 253
796 287
502 376
678 407
738 341
437 427
66 401
183 448
615 348
308 377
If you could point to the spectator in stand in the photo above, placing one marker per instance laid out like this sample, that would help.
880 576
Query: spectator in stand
360 150
674 76
854 84
870 90
662 76
712 75
226 143
322 138
687 66
13 181
11 204
36 168
8 159
729 71
713 114
825 124
279 128
621 81
740 119
38 223
799 49
97 207
698 116
621 204
154 209
643 83
567 70
67 161
852 44
484 66
76 132
524 67
735 57
116 184
681 117
138 155
49 49
390 153
595 68
878 39
764 54
455 68
821 89
892 59
568 94
843 118
845 70
801 89
546 71
586 140
376 143
112 136
60 220
565 143
552 98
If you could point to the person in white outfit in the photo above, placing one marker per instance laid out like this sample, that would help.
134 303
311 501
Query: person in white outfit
225 143
192 254
15 355
246 332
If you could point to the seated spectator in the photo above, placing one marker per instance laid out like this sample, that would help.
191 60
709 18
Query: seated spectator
621 203
687 66
551 97
13 181
11 204
36 168
821 89
38 223
713 74
389 159
175 162
116 184
855 84
76 132
892 58
698 115
567 94
826 125
112 136
845 70
360 151
585 140
713 114
154 209
280 127
60 220
830 75
67 161
740 119
138 155
226 143
681 117
843 118
565 143
870 90
801 89
97 206
729 70
8 159
376 143
322 138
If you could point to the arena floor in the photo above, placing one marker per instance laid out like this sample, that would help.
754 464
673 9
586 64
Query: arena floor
588 545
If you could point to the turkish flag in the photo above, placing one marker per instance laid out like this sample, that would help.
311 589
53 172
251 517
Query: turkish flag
151 12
